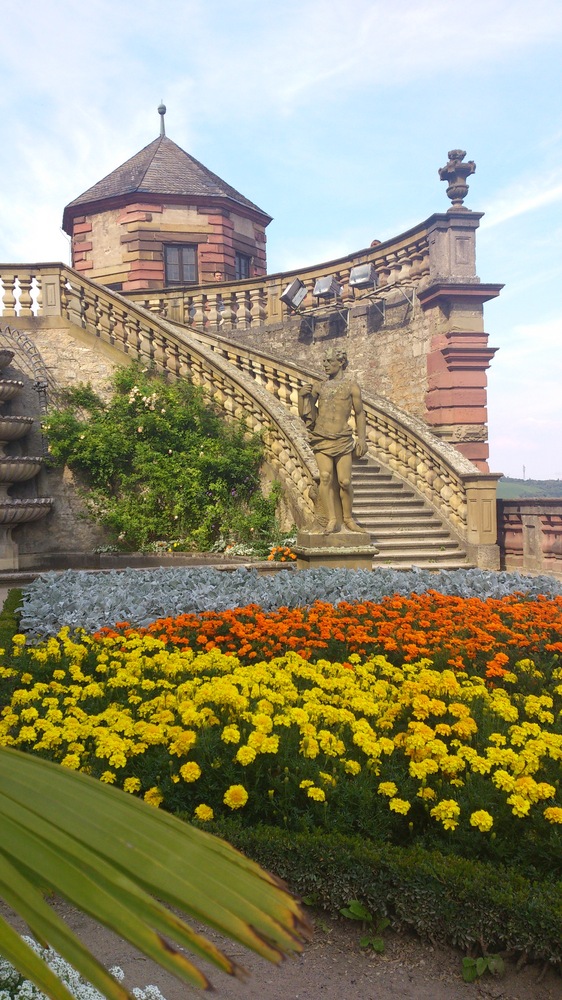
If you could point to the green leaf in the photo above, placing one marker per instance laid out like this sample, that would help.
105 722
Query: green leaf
469 973
481 966
108 854
496 965
356 911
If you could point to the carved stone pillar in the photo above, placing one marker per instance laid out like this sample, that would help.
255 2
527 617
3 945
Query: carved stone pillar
457 362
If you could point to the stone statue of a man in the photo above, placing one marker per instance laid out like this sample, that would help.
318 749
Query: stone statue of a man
325 407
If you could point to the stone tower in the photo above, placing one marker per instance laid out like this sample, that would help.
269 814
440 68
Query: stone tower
163 219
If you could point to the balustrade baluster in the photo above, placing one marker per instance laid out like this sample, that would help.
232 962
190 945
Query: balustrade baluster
257 307
244 310
213 311
26 302
197 310
160 357
10 301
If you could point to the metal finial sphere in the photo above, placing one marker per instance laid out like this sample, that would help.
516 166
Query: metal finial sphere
162 112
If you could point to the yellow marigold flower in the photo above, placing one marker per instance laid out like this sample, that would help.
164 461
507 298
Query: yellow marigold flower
153 796
18 639
553 814
204 813
426 793
446 812
235 797
25 678
316 793
482 820
109 777
71 760
245 756
230 734
399 806
190 771
351 766
519 806
306 783
387 788
131 785
309 747
421 768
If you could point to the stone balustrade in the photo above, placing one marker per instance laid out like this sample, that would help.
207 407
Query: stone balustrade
263 391
461 495
55 290
255 302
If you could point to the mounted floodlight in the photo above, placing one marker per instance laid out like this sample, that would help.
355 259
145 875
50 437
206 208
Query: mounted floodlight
363 276
294 294
326 288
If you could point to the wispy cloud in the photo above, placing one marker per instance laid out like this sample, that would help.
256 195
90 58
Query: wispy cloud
524 197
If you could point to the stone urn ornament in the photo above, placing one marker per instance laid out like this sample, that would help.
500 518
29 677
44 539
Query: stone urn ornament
455 172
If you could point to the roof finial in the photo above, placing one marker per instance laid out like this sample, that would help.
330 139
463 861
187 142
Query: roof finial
162 112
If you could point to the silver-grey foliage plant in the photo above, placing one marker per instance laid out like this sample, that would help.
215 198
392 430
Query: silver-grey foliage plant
90 601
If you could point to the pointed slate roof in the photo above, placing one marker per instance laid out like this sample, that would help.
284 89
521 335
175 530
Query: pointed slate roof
161 168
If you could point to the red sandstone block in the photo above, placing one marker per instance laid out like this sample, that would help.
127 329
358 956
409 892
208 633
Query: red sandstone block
133 286
146 276
82 246
477 452
220 220
463 379
135 217
436 363
79 218
83 265
82 227
458 415
139 207
457 396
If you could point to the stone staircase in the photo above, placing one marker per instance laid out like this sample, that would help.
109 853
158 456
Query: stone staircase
405 529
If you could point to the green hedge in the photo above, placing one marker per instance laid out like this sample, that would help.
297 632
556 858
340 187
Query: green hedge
443 898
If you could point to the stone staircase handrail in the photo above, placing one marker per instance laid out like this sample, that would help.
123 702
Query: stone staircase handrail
453 486
57 290
233 374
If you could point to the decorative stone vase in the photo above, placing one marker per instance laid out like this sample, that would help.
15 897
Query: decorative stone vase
15 469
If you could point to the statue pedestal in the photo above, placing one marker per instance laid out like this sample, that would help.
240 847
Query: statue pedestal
338 550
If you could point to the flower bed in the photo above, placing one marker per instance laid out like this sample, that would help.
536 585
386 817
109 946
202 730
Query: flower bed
428 719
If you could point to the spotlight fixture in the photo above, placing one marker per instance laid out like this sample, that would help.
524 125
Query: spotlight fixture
326 288
363 276
294 294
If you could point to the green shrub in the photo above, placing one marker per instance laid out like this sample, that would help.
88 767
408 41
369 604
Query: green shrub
161 464
443 898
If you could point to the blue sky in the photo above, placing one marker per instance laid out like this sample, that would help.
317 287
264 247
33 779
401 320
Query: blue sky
333 118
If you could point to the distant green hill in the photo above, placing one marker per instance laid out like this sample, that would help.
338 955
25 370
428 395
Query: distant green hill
518 489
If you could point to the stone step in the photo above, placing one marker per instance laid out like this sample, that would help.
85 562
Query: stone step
423 563
404 528
433 531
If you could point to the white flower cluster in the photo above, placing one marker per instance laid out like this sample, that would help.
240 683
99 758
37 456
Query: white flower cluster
148 401
14 987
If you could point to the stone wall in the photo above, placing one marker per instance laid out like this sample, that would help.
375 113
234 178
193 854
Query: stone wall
530 535
68 358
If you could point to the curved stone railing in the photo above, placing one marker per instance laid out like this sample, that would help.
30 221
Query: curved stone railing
56 290
263 390
241 305
462 495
